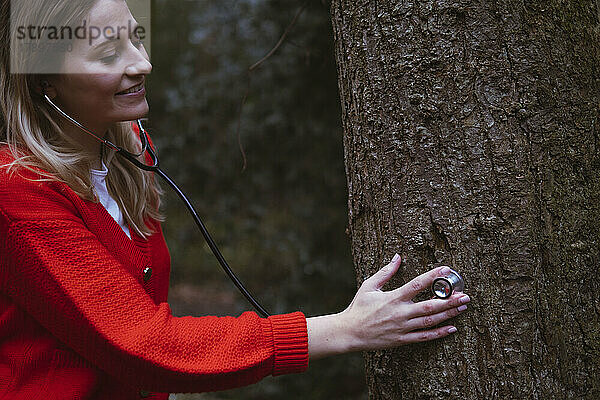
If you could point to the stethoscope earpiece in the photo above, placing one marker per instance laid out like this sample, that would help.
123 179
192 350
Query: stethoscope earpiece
45 85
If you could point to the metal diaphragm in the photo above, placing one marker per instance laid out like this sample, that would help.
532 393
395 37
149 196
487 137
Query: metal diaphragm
443 287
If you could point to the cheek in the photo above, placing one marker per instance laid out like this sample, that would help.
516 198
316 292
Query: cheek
89 89
99 96
106 86
98 84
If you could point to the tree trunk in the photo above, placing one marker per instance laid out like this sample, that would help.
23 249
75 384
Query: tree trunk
471 136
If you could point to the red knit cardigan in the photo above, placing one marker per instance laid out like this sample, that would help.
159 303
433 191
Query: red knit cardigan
78 319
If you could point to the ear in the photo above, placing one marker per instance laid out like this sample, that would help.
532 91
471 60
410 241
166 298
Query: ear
44 86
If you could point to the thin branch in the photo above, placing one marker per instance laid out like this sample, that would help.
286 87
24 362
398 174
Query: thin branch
239 123
256 65
282 38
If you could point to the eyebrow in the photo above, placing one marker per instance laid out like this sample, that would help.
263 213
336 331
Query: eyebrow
104 43
115 36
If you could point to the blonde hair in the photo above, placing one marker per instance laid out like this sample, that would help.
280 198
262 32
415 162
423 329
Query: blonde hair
30 130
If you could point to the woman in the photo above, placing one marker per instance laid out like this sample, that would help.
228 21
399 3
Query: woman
84 266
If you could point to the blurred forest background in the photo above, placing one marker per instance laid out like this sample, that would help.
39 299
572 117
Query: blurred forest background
277 208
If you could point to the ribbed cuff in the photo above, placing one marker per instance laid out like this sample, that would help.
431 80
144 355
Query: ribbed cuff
290 342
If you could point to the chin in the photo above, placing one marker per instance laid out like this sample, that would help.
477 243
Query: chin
133 116
137 116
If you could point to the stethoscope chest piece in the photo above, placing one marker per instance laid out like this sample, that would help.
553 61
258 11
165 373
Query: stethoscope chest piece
444 286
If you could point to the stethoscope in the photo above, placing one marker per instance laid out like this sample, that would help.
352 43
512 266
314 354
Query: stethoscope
154 167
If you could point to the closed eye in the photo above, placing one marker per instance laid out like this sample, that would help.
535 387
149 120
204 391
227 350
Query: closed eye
110 59
137 42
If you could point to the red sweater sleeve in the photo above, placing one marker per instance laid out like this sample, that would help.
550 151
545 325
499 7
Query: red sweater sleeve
60 273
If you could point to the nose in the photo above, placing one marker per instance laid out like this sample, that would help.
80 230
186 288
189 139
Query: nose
140 61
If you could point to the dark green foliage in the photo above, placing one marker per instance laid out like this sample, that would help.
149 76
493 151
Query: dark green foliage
281 221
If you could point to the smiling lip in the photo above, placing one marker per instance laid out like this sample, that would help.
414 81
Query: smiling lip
135 95
134 90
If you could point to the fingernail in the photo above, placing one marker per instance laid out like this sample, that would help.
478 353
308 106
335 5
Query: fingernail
462 308
445 270
452 330
396 257
465 299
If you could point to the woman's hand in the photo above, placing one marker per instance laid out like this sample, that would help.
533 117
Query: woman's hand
377 320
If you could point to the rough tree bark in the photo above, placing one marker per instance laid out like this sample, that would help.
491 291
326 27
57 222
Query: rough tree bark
471 136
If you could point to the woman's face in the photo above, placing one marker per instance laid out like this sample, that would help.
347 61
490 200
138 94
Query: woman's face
96 76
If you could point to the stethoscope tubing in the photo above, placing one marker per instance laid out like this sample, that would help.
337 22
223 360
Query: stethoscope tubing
213 246
147 149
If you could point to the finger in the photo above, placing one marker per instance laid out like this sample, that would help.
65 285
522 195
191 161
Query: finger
431 334
429 321
434 306
420 283
380 277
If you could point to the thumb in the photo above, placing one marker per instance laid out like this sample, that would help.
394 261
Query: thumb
380 277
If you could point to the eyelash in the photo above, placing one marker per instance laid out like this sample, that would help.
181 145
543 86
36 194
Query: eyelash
110 59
